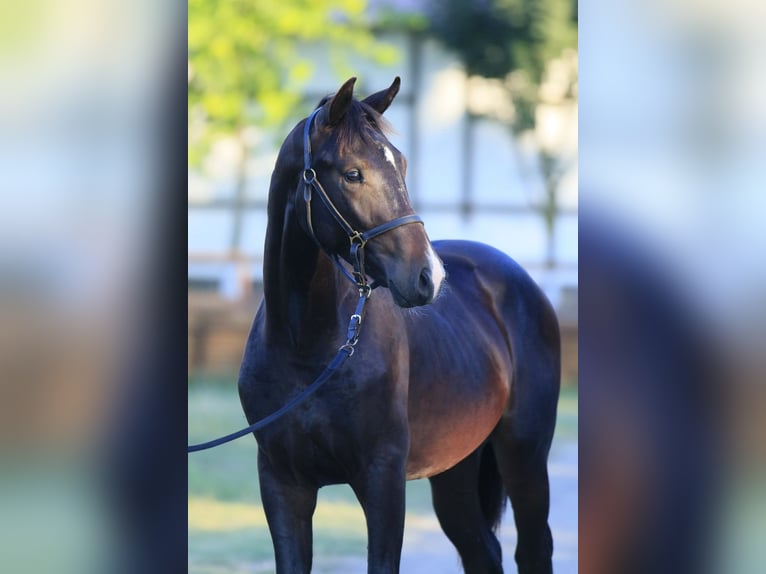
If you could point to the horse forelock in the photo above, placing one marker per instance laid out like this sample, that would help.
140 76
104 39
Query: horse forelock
360 123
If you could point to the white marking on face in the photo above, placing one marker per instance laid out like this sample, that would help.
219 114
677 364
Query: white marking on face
437 269
389 155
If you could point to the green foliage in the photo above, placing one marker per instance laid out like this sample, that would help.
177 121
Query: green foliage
398 18
244 64
495 38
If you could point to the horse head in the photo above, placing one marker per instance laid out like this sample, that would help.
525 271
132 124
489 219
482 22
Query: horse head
363 192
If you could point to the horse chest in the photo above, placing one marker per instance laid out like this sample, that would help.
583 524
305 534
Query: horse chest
326 439
312 444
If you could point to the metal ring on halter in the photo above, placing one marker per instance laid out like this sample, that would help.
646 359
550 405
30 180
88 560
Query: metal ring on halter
349 347
308 180
359 238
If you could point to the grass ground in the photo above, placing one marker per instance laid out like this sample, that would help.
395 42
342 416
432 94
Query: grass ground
227 528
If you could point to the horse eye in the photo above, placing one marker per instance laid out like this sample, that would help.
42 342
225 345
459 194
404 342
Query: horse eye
353 176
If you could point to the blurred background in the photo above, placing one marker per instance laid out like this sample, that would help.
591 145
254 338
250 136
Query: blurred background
487 118
93 270
672 292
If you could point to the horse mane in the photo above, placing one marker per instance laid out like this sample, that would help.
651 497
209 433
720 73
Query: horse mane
359 124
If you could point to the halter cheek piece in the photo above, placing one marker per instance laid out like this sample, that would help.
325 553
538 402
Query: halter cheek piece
358 239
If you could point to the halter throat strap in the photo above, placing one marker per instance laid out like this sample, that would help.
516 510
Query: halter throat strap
357 238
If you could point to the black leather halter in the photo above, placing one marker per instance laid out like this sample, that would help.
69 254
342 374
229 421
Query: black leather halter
358 239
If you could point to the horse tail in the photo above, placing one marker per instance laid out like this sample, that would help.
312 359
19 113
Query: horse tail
492 495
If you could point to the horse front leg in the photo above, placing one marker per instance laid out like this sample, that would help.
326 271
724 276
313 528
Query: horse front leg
289 511
380 490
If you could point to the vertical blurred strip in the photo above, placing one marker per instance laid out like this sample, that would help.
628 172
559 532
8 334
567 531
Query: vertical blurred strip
672 286
91 159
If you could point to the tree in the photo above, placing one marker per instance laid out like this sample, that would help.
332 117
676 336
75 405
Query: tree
518 42
246 70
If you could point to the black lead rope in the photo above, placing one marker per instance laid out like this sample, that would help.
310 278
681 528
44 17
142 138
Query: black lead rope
344 352
359 278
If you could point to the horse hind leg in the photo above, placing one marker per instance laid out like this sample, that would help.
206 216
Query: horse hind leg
525 476
521 443
522 439
468 500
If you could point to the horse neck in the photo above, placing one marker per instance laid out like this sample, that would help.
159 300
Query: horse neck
300 288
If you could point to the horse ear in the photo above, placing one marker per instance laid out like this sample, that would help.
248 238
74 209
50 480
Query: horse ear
341 101
381 100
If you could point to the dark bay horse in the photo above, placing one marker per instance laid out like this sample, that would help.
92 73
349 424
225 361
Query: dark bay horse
455 376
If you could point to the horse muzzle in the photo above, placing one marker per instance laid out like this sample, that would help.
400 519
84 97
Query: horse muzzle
420 287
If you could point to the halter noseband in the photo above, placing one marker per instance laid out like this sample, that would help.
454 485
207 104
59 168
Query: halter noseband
358 239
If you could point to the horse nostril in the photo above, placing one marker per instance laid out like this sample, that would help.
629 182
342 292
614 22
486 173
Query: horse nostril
425 284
